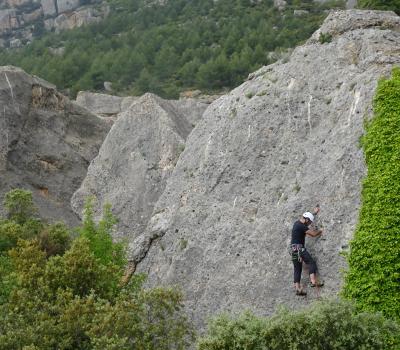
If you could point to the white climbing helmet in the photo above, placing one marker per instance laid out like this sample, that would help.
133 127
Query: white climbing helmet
308 215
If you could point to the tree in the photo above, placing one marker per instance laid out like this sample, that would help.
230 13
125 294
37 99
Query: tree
19 205
393 5
58 295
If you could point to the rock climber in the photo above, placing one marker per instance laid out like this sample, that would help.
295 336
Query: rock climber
301 228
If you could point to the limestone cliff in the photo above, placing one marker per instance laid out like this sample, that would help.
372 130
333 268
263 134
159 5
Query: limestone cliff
137 158
46 142
21 20
286 139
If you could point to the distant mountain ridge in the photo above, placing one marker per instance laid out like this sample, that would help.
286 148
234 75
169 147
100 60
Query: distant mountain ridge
22 20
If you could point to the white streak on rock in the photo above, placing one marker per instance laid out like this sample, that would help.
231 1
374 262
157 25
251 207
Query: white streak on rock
353 107
309 111
9 84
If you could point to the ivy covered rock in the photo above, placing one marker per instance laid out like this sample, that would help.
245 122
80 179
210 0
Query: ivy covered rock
373 279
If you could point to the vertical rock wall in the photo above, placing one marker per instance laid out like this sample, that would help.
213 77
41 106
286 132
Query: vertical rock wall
46 142
286 139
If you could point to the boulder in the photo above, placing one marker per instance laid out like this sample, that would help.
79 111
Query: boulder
18 3
280 4
8 20
46 142
49 7
67 5
104 105
78 18
136 159
33 16
15 43
283 141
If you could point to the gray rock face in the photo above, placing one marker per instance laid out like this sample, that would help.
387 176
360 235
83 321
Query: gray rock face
136 160
78 18
49 7
280 4
19 20
67 5
8 20
103 104
46 142
285 140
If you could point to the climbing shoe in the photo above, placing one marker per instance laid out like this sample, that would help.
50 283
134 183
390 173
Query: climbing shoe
301 293
318 284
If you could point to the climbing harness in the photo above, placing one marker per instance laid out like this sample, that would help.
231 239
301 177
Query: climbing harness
295 251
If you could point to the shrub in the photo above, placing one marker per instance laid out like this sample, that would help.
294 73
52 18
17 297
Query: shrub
55 294
19 205
99 235
374 261
55 239
326 325
325 38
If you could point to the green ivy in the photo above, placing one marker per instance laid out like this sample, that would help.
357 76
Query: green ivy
373 279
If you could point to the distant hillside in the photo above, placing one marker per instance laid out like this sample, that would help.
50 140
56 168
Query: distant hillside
167 47
21 21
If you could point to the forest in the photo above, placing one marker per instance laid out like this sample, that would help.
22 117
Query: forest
166 49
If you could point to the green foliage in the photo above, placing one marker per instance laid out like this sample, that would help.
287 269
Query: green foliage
7 281
54 239
374 260
99 236
58 294
393 5
20 225
73 301
143 47
19 204
325 38
326 325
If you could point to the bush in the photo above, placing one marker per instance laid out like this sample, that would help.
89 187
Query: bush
326 325
19 205
55 294
55 239
374 261
100 235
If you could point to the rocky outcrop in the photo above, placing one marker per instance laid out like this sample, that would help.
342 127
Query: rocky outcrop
8 20
49 7
137 158
46 142
78 18
67 5
104 105
286 139
22 19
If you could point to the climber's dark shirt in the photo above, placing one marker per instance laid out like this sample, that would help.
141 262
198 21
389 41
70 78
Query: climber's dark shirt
299 233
